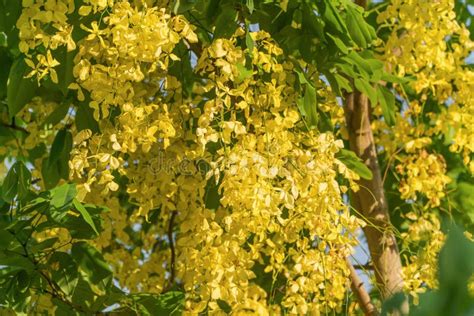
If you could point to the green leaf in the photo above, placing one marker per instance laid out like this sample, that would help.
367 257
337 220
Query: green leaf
338 83
387 103
250 6
394 303
310 106
332 17
312 23
297 16
85 214
225 23
5 63
300 104
464 198
56 166
63 309
37 152
244 73
181 7
58 114
18 226
24 179
176 6
10 186
170 303
367 89
354 27
64 70
371 65
392 78
17 182
59 145
92 264
20 90
62 196
80 229
9 14
456 266
347 68
15 260
224 306
350 159
301 77
65 273
356 24
3 39
325 124
5 237
366 65
88 294
249 41
85 118
343 82
211 10
456 261
45 244
339 43
23 279
212 197
182 70
50 174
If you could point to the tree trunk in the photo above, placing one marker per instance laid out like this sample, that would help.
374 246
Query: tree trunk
370 199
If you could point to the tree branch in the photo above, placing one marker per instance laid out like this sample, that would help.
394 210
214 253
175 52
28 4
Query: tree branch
15 127
361 294
366 266
172 250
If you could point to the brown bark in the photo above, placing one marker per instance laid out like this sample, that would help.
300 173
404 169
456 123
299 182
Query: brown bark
370 199
362 3
361 294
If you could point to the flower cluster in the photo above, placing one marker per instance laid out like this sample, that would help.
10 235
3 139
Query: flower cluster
427 42
213 179
44 24
423 173
425 236
247 188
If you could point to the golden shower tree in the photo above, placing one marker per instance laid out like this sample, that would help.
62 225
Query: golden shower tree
224 156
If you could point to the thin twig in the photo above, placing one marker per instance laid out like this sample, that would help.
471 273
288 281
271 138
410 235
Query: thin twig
392 156
361 294
366 266
15 127
172 249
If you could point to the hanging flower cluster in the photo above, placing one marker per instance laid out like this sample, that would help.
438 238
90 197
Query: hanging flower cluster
227 174
429 44
213 180
424 173
424 234
427 41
